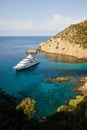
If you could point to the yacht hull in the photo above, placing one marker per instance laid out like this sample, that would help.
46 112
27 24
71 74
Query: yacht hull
25 67
26 63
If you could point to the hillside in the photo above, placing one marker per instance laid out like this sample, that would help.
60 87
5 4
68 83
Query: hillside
11 119
71 41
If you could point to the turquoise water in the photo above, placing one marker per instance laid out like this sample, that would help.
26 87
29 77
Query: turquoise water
30 82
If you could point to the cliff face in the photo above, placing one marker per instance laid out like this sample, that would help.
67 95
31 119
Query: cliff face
71 41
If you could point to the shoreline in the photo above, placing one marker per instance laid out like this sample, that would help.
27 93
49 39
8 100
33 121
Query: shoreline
83 88
76 59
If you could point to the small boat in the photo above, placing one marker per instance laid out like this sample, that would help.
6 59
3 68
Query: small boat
27 62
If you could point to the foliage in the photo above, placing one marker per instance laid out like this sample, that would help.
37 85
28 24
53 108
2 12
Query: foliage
27 105
82 106
77 105
11 119
76 33
74 102
62 108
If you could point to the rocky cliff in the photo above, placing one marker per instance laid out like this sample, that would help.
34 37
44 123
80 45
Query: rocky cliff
71 41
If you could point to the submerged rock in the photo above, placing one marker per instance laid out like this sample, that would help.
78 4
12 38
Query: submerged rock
62 79
58 79
48 80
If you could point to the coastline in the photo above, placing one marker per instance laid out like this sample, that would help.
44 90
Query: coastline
67 58
26 82
71 41
65 48
83 88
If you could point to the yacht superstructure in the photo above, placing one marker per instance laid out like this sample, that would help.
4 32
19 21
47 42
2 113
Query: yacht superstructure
27 62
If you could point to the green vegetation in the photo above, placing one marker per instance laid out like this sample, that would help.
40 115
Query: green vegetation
57 47
27 105
74 102
76 34
77 105
63 48
63 108
12 119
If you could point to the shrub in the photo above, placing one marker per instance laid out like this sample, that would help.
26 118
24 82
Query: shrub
56 47
27 105
74 102
63 48
62 108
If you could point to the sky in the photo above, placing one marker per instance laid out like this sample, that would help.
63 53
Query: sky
39 17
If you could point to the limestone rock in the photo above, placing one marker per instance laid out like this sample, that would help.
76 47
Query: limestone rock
71 41
82 89
83 79
31 51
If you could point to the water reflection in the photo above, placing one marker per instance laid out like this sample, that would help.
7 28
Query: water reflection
27 70
63 58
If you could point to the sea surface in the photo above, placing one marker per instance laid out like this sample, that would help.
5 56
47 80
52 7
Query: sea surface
31 82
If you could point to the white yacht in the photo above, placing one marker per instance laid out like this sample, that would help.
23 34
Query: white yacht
27 62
